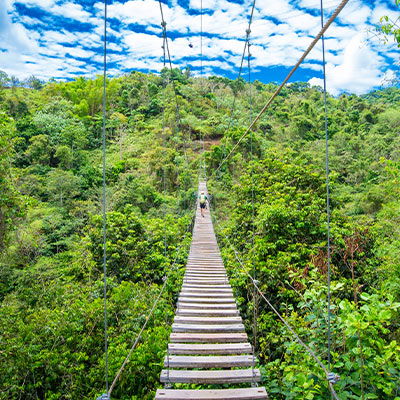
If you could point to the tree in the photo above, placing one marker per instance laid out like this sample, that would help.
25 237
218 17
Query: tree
121 122
62 186
64 155
33 82
14 82
4 79
39 149
390 29
237 85
11 202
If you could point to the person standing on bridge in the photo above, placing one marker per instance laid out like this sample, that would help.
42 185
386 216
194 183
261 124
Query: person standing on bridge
203 202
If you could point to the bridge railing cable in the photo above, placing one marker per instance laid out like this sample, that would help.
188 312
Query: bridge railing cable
327 192
305 54
283 320
104 195
173 267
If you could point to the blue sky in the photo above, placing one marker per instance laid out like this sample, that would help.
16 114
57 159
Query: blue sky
62 39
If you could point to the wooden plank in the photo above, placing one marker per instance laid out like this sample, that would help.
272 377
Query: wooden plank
207 290
209 328
207 320
204 278
205 263
209 300
205 259
205 306
207 348
208 361
205 287
206 274
218 295
222 282
206 268
203 273
258 393
211 377
195 312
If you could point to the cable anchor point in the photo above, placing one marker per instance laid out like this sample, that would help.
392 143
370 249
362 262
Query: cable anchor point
103 397
332 378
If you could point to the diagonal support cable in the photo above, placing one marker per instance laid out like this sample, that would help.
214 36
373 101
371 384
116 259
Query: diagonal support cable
254 282
104 195
172 268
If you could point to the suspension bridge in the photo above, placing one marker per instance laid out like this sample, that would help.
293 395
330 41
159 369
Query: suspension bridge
208 345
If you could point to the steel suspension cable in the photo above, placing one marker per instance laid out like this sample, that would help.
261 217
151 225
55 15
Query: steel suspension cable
163 24
252 200
232 117
248 31
305 54
201 87
312 354
104 195
176 103
327 192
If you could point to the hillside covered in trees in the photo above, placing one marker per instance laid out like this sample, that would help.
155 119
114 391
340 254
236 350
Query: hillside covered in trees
51 289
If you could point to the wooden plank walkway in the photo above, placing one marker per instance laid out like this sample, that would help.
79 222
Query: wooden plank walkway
208 344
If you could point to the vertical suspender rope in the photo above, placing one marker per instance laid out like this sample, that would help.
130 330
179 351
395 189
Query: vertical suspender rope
331 377
184 172
233 176
327 193
201 87
252 202
163 24
166 50
177 163
104 194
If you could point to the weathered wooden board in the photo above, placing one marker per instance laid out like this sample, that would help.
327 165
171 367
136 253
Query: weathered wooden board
191 337
205 306
211 377
210 348
216 394
195 312
207 320
210 300
208 361
209 328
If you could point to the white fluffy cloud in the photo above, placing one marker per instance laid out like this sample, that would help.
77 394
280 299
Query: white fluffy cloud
359 71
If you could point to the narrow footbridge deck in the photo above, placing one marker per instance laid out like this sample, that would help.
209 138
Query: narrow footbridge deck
208 344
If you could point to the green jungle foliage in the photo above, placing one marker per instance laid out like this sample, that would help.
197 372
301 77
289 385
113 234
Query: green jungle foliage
51 230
